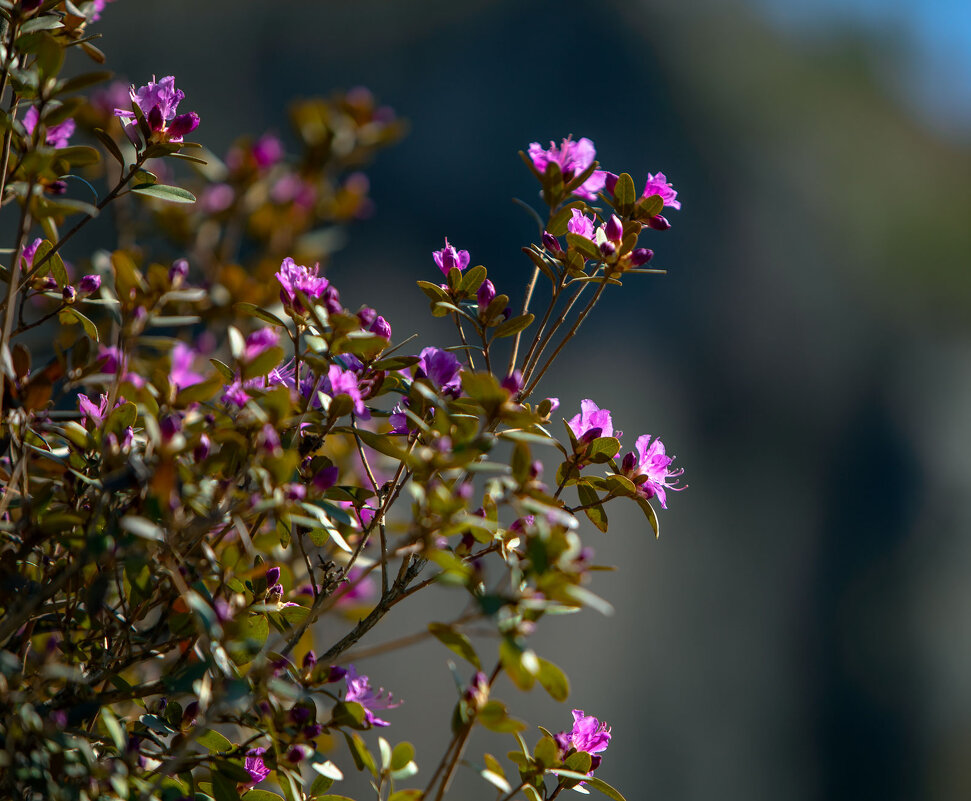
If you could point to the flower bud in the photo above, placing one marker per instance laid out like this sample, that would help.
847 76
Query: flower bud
336 673
641 256
57 187
513 382
309 660
30 5
69 293
182 125
607 249
487 291
275 593
630 459
367 316
201 450
551 243
381 327
326 478
610 182
170 426
659 223
90 284
178 272
614 228
272 576
298 753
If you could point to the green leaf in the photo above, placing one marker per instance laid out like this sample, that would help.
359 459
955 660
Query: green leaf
649 206
624 194
224 789
603 449
406 795
495 717
434 292
455 641
110 145
402 754
79 155
214 742
259 312
173 194
472 280
261 795
585 247
649 513
553 680
362 757
596 513
592 781
115 730
70 313
546 752
248 637
514 325
48 22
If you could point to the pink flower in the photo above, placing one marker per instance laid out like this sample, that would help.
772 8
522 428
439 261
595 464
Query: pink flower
344 382
448 257
267 151
360 691
588 734
57 135
159 102
573 158
28 253
254 765
295 277
182 375
592 419
653 462
96 414
658 185
580 224
442 368
259 341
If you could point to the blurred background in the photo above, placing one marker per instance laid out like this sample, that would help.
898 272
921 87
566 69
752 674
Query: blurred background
802 629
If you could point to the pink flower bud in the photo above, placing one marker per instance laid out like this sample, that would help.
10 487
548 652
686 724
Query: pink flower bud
513 382
487 291
551 243
272 575
89 284
659 223
155 119
69 293
178 272
607 249
183 124
201 450
614 228
641 256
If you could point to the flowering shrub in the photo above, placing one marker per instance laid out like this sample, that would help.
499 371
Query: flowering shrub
204 457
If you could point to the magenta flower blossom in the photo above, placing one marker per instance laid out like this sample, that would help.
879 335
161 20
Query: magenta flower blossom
360 691
255 766
182 375
259 341
295 277
658 185
653 462
57 135
235 394
360 589
96 414
441 368
573 158
590 419
97 6
344 382
588 734
27 256
159 103
580 224
267 151
448 257
89 284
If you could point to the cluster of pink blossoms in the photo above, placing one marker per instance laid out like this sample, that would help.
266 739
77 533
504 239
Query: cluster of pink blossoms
159 102
647 459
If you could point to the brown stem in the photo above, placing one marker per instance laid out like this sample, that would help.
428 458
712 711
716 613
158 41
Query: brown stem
567 338
529 296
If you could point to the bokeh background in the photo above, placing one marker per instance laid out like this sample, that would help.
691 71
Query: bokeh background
802 629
